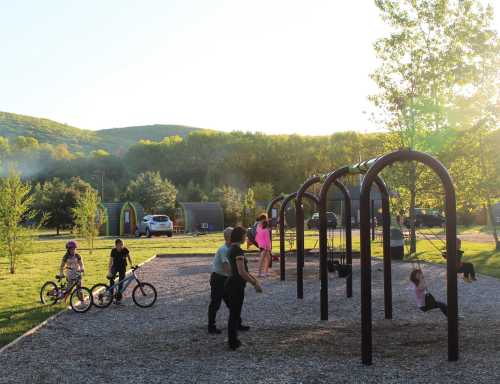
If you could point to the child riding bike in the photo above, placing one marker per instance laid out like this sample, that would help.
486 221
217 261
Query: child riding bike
72 263
118 265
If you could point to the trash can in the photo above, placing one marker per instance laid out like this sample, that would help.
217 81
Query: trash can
397 244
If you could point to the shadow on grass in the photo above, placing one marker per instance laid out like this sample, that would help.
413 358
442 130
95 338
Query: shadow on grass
486 262
14 321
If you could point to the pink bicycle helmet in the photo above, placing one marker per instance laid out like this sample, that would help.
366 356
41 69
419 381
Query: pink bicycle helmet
71 244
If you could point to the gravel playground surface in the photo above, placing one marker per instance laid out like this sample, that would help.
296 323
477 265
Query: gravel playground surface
286 344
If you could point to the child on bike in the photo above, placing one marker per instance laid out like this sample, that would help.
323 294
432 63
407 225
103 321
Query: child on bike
73 263
118 265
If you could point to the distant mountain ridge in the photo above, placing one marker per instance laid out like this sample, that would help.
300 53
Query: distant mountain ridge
113 139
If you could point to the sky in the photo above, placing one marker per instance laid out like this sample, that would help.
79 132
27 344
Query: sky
273 66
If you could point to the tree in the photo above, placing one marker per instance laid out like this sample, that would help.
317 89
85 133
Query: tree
58 199
263 191
88 219
477 113
16 237
155 194
424 62
248 207
230 200
192 192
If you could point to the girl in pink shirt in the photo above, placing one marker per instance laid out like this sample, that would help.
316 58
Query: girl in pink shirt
263 239
425 301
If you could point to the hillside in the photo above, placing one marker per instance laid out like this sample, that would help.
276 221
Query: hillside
46 131
123 138
113 140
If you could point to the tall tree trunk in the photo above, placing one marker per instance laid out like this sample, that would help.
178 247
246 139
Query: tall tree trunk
413 200
12 260
492 220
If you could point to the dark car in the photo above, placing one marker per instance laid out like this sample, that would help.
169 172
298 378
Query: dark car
331 220
426 218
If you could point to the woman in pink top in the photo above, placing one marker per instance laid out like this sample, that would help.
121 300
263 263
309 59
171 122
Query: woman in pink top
425 301
263 239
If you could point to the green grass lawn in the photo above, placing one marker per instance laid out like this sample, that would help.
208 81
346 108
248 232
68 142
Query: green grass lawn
21 310
20 307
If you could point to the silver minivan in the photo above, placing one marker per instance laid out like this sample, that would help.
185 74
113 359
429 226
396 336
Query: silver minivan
152 225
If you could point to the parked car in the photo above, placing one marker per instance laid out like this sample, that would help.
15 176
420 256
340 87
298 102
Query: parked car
331 220
152 225
426 218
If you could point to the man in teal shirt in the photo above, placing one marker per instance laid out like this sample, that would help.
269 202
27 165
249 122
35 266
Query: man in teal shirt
221 270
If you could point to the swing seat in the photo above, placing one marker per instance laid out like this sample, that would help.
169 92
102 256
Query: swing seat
332 265
343 270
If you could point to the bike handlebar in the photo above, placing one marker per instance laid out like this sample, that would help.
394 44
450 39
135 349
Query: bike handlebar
60 277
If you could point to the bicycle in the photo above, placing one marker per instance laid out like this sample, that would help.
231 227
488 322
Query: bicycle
144 294
80 297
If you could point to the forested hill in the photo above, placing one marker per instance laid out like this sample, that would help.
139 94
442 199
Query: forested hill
113 140
46 131
118 139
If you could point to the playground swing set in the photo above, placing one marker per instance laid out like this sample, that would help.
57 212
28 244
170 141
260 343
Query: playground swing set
339 259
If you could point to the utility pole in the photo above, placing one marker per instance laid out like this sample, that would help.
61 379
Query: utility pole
96 177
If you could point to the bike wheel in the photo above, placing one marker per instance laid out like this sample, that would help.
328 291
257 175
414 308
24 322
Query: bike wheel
102 296
81 300
144 295
49 294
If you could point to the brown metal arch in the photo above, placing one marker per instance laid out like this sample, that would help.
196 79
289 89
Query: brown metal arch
450 209
333 178
281 223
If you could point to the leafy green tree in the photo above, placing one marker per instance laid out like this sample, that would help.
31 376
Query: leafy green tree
263 191
192 192
153 193
248 210
88 219
57 199
16 237
230 200
424 61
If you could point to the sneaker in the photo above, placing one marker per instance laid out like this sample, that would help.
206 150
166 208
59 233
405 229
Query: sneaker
214 331
243 328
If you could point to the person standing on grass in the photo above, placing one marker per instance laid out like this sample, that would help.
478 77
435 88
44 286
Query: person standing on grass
118 265
464 267
221 270
234 293
263 239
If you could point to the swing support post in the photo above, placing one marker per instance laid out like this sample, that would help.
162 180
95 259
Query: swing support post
376 166
299 216
284 204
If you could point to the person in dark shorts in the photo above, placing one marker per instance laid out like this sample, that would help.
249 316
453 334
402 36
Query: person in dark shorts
221 270
234 293
118 266
465 267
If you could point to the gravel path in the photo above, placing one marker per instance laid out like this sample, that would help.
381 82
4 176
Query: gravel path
287 343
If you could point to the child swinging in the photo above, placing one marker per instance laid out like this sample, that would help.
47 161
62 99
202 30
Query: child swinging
425 300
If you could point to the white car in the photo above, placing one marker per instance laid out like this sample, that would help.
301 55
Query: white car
155 225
